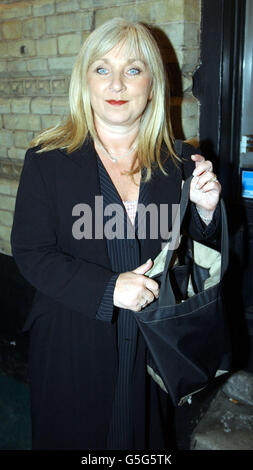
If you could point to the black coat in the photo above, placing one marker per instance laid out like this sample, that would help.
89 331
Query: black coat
73 356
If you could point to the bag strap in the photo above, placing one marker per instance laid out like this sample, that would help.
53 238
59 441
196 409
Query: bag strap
166 296
178 147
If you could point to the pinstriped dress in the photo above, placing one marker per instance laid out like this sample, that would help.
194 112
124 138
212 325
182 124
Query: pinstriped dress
125 256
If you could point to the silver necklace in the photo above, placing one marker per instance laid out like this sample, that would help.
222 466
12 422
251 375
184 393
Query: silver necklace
115 158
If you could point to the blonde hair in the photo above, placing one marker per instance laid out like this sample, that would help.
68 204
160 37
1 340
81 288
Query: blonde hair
155 125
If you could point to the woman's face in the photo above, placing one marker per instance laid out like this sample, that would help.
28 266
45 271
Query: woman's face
119 88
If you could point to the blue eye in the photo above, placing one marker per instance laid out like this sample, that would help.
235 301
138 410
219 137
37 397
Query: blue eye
134 71
102 70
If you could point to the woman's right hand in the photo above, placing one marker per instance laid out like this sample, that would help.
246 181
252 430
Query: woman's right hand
133 290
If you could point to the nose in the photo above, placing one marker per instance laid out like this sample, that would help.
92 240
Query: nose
117 82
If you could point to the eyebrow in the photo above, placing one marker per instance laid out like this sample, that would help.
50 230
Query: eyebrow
130 61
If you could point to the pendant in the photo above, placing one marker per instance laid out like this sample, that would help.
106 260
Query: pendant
114 160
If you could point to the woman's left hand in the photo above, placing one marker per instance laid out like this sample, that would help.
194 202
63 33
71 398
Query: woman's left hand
205 188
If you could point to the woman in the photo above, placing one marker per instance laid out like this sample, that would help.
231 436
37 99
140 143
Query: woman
87 360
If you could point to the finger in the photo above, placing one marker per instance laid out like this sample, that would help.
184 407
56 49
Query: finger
150 297
197 158
152 286
204 179
137 308
146 299
144 267
142 302
203 167
211 186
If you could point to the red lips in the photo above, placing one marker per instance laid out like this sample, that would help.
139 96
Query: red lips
116 103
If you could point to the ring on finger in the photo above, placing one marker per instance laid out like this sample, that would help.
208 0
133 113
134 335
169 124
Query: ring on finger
214 179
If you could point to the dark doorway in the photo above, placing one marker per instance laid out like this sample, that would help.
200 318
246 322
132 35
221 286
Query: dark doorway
219 86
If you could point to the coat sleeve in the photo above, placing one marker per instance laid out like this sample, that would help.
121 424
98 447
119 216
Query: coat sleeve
106 307
74 282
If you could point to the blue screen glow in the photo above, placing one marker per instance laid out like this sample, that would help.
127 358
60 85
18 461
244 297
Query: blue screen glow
247 183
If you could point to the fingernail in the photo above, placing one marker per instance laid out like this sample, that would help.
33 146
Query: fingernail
148 261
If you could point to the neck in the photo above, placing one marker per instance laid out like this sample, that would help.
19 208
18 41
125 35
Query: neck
117 139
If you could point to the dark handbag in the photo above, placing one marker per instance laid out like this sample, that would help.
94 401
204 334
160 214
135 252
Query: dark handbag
185 329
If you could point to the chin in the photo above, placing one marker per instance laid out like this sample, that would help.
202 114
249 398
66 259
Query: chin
120 122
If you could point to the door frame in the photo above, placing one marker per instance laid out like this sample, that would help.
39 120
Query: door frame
218 86
217 83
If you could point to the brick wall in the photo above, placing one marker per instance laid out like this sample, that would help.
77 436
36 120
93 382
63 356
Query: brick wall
39 41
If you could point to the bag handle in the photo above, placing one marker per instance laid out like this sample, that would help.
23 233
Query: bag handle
166 296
